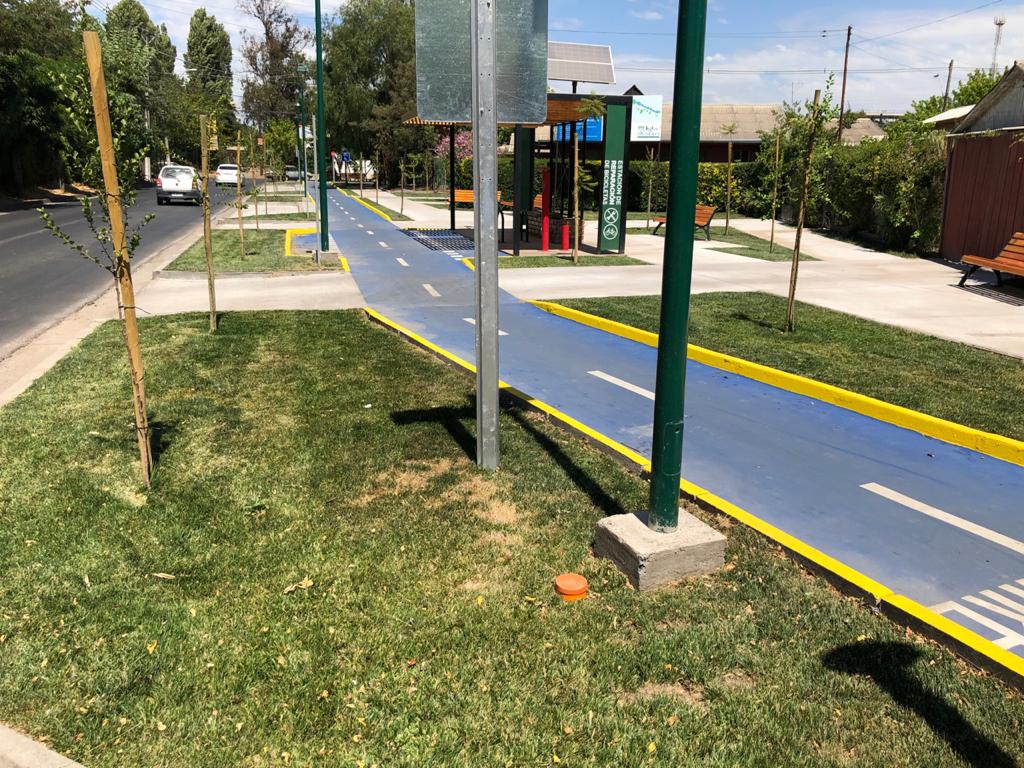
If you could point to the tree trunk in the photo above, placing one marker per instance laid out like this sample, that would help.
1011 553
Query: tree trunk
795 267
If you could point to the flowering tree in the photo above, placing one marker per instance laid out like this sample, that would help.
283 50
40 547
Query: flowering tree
463 145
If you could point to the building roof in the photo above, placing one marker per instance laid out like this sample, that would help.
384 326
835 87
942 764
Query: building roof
580 62
950 117
749 121
1002 107
862 129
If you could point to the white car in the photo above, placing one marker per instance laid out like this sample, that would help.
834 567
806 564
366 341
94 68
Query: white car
177 182
227 174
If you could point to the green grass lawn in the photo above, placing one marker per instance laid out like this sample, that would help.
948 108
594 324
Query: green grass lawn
264 252
321 577
945 379
281 198
299 217
560 260
747 245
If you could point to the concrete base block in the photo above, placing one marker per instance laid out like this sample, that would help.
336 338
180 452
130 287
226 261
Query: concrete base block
653 560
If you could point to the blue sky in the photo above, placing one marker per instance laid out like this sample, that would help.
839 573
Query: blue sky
757 51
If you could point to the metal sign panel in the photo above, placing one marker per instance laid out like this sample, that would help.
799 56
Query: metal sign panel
594 130
645 124
444 64
612 220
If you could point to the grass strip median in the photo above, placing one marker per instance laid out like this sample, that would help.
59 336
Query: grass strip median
264 252
320 575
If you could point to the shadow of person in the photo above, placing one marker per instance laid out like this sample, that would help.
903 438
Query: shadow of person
889 665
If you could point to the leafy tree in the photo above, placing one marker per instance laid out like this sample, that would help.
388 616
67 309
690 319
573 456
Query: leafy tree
29 121
208 55
47 28
131 19
279 140
370 74
273 60
975 87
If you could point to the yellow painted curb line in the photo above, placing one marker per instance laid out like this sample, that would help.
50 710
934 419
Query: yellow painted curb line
884 597
344 264
365 204
997 446
290 233
468 264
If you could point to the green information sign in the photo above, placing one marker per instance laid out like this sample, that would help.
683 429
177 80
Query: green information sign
613 214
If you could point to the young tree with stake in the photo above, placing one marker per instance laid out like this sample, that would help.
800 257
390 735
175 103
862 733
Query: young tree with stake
115 243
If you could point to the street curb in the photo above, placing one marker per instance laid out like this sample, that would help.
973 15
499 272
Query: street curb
167 274
40 352
18 751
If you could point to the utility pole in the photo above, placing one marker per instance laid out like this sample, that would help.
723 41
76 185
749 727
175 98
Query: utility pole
842 97
999 21
122 266
949 82
204 143
485 215
677 269
321 139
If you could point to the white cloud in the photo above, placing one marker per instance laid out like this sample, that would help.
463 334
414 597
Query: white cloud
566 24
648 15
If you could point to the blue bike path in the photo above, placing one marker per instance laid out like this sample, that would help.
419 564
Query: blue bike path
937 523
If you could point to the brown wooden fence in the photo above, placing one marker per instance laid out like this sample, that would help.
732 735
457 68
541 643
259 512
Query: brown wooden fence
984 200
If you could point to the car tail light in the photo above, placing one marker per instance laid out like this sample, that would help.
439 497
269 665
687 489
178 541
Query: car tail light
159 182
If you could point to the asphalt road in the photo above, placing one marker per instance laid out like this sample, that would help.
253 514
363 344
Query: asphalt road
42 280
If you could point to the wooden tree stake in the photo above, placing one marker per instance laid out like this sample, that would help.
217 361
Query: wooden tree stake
775 187
122 266
204 140
791 301
238 192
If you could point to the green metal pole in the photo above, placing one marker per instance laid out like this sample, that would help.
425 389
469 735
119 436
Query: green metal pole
321 139
667 448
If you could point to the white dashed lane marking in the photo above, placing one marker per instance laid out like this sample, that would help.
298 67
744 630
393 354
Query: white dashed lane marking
624 384
382 244
957 522
431 290
402 261
472 321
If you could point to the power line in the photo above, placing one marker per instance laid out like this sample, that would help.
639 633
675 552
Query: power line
750 35
934 21
822 71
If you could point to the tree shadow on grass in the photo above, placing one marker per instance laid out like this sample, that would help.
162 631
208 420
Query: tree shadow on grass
890 666
453 418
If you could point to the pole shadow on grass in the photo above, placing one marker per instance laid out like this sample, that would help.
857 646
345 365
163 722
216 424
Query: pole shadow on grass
453 418
890 665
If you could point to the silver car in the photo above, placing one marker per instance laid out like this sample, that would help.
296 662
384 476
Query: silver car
177 183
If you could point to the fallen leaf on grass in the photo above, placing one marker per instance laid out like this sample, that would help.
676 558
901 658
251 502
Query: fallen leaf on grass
306 583
651 748
480 600
150 647
165 576
160 726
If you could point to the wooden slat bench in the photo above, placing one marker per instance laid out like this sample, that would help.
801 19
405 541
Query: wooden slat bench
1009 260
702 219
465 196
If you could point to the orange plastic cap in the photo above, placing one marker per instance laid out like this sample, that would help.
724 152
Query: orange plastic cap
571 586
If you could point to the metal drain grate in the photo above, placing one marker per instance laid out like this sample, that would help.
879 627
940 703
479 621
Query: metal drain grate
441 239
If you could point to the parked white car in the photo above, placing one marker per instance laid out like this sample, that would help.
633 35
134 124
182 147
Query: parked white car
227 174
177 182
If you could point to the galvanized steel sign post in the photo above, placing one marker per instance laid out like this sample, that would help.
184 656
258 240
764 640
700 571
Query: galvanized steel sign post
467 52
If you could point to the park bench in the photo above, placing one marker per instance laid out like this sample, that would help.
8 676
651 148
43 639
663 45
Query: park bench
465 196
1010 260
701 220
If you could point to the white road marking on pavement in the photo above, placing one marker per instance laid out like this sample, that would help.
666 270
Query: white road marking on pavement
472 321
624 384
359 225
402 261
430 289
369 231
1015 615
1009 638
958 522
19 237
382 244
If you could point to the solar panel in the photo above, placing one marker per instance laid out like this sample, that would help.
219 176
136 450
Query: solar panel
580 62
